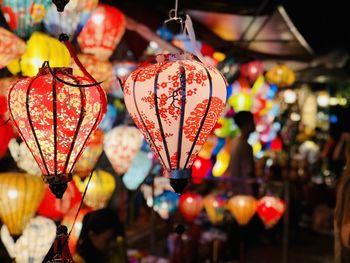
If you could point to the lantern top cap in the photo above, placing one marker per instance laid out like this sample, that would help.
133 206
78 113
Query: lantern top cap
55 70
173 57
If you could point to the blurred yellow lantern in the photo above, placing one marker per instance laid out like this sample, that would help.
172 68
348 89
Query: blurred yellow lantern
33 244
222 160
208 147
102 71
242 208
281 75
100 189
20 195
40 47
91 153
242 101
215 207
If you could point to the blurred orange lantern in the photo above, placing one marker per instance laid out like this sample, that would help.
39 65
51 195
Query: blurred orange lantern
200 169
121 146
270 209
102 32
175 103
190 205
215 207
242 208
252 70
281 75
55 119
56 209
11 47
20 196
87 161
68 221
102 71
100 189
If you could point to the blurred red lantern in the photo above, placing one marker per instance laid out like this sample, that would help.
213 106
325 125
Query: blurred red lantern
252 70
55 119
11 47
200 169
270 209
56 209
175 103
102 32
190 205
6 134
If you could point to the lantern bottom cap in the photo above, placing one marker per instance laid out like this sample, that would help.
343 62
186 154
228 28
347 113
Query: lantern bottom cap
58 189
178 185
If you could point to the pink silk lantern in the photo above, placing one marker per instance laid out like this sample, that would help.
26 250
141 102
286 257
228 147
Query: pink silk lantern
11 47
121 146
270 209
55 120
175 103
102 32
190 205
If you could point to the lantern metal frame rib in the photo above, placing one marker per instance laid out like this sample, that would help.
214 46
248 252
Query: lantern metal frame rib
58 181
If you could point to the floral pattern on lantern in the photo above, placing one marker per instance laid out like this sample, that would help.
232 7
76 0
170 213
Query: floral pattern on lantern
16 190
87 161
242 208
190 205
100 189
215 207
40 48
11 47
102 32
121 146
24 17
56 209
281 75
23 157
270 210
102 71
175 103
55 120
34 243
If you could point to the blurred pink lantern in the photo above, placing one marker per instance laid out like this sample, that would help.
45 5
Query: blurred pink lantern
11 47
175 103
102 32
252 70
121 146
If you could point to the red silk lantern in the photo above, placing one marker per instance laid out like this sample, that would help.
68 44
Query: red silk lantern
175 103
252 70
190 205
242 208
11 47
200 169
55 119
56 209
270 209
102 32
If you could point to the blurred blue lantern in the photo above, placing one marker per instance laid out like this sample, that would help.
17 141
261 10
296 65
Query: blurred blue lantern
24 16
220 144
229 91
165 33
138 171
271 92
166 204
108 120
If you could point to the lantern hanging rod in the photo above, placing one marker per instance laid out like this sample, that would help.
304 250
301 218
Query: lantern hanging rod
173 15
52 72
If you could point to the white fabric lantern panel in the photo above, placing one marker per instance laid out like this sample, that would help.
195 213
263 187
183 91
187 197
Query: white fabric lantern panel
121 145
